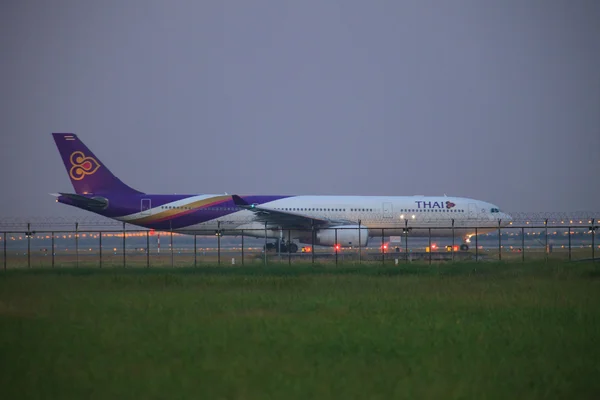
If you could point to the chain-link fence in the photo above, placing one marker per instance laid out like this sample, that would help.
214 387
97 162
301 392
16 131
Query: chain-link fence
97 247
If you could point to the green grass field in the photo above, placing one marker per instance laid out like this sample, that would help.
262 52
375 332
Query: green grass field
485 331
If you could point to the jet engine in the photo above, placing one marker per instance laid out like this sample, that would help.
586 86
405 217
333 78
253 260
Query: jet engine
347 235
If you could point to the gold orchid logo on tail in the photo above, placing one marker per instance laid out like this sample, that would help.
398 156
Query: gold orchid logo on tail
82 166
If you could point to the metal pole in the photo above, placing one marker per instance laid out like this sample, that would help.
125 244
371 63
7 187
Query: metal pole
522 244
499 241
77 244
312 246
569 243
429 229
100 236
406 240
359 244
219 243
382 249
242 247
52 233
279 244
28 245
476 246
147 249
171 229
4 254
336 248
452 239
289 247
546 250
593 242
265 242
195 251
124 264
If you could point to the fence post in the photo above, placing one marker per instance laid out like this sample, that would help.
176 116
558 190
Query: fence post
124 263
195 251
499 241
77 244
406 240
382 248
28 245
522 244
289 247
147 249
593 241
335 247
546 249
4 254
312 246
359 244
265 251
279 242
52 233
171 229
242 247
452 239
100 244
476 246
429 230
219 243
569 243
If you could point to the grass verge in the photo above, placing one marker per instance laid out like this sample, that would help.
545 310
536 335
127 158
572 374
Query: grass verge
468 330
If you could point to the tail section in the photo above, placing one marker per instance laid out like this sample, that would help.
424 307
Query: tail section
88 175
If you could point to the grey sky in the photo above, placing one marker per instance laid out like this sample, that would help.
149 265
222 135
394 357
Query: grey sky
496 100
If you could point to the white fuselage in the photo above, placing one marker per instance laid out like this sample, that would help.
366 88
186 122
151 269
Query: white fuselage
382 215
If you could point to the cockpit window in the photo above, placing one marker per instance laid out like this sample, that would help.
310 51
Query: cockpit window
495 210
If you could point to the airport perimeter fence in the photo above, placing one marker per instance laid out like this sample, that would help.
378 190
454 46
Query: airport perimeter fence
88 247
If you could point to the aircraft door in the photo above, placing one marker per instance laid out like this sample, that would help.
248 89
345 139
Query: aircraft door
387 210
472 212
145 207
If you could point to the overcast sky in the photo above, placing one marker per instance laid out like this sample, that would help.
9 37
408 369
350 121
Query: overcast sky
496 100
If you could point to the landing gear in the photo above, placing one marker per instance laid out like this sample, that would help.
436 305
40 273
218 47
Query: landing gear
286 247
466 240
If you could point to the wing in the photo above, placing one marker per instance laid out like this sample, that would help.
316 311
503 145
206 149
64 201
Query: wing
288 219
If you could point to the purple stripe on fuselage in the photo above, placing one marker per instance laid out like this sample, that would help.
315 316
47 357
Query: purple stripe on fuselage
120 206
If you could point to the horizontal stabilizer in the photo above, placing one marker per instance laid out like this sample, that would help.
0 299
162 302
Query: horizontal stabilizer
82 201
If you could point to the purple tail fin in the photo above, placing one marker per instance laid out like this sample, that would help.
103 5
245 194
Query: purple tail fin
88 175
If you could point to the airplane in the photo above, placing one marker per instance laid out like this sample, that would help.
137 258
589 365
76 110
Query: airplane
347 221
